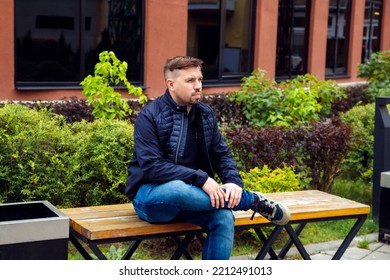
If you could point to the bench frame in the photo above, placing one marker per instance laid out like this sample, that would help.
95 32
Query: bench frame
81 232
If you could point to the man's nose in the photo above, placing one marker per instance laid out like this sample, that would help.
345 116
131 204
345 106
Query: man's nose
198 84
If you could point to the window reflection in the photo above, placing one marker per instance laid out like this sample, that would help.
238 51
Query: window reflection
219 32
58 42
236 37
372 28
293 33
338 37
203 34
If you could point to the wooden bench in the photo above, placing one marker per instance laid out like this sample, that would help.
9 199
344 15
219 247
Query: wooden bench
97 225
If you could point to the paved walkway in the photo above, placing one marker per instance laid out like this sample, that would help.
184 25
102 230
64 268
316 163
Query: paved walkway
324 251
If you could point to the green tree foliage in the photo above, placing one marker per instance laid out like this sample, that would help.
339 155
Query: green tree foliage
296 101
377 72
99 89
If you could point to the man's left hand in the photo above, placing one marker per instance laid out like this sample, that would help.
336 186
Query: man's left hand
233 194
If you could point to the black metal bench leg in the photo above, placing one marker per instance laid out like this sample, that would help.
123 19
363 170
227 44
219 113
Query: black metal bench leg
283 252
348 239
267 246
99 254
262 237
79 247
132 248
297 242
200 238
182 247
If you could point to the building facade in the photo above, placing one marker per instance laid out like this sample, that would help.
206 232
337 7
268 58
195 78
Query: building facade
47 47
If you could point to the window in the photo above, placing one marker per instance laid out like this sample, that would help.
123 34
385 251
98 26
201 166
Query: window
372 28
293 35
338 38
57 43
220 33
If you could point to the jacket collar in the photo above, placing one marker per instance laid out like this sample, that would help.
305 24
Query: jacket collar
171 103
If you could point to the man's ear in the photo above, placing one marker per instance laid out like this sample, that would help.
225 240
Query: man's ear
169 83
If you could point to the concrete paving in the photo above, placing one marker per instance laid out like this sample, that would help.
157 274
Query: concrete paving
324 251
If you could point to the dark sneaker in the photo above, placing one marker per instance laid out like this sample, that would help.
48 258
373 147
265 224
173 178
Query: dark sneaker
275 212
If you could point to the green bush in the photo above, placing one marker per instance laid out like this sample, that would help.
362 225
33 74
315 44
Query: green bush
324 92
325 145
42 157
266 180
85 163
360 160
103 148
34 156
296 101
255 147
377 72
315 150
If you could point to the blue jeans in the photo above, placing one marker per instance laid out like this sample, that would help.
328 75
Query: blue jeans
157 203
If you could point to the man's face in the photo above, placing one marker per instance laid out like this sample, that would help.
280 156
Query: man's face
185 86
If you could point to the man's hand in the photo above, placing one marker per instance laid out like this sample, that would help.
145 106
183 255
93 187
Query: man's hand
233 194
215 192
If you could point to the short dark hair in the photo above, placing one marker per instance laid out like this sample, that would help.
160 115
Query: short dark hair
181 62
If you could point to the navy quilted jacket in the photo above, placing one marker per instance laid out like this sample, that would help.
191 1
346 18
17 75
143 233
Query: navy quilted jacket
159 142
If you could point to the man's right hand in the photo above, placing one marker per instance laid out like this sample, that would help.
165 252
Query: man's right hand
215 192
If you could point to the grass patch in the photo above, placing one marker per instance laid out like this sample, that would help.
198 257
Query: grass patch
357 190
363 244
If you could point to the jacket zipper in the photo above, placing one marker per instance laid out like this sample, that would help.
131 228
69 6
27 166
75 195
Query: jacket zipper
211 171
180 136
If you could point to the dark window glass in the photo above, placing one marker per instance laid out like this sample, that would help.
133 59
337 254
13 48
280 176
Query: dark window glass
220 33
293 35
372 28
57 43
338 37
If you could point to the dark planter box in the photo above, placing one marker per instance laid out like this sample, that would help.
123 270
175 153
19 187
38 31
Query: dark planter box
33 231
384 208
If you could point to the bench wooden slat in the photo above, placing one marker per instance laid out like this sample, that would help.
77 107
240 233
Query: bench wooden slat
100 211
127 210
120 228
120 220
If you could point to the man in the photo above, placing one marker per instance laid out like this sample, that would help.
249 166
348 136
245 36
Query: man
177 149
